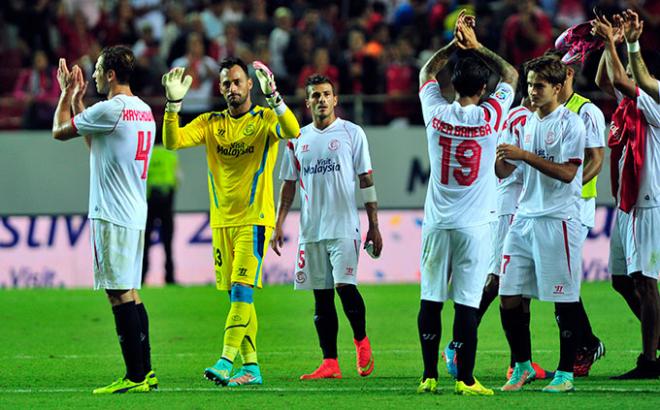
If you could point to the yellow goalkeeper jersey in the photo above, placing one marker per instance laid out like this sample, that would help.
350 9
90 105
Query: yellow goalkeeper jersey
241 154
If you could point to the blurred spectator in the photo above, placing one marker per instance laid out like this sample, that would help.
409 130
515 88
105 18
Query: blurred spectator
379 38
299 53
569 13
400 81
38 88
176 21
204 71
312 22
231 43
149 67
193 24
361 70
149 12
91 10
320 65
116 26
279 41
233 12
214 27
76 40
257 23
526 34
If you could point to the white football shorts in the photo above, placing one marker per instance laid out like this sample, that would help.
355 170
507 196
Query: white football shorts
455 263
117 254
501 229
542 259
624 258
323 264
646 231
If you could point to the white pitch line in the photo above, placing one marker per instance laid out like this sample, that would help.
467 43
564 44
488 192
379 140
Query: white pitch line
264 353
408 389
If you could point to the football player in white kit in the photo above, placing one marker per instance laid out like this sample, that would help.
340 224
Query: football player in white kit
460 205
635 240
120 132
590 347
542 252
327 157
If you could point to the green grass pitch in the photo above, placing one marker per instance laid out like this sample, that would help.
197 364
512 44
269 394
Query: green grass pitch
57 345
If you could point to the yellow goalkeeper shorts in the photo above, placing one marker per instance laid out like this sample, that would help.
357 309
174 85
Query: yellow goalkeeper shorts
238 253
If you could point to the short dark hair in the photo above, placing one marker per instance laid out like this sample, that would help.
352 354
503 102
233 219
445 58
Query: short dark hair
554 53
121 60
469 76
549 68
316 79
229 62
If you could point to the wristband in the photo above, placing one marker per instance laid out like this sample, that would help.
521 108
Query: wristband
172 106
633 47
369 194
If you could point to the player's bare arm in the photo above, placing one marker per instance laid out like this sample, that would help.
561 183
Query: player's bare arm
436 63
62 128
467 40
564 172
632 30
593 163
371 205
287 195
614 69
612 35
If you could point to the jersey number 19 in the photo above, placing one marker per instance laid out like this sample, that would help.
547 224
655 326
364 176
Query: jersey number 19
468 155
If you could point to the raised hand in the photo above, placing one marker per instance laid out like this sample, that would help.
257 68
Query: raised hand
64 77
176 87
632 26
464 32
265 77
601 27
79 84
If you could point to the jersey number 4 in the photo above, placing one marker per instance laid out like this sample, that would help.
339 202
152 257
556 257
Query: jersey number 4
468 155
142 153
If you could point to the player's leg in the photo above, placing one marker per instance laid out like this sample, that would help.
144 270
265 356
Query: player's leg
623 260
117 253
314 272
434 292
518 279
249 249
647 239
558 250
144 341
469 267
344 254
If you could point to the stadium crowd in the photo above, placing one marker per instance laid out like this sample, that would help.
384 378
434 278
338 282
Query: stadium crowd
372 49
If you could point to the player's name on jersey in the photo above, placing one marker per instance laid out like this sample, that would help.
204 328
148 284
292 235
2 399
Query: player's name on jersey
136 115
322 166
461 130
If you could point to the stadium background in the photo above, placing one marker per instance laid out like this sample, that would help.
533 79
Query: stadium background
371 49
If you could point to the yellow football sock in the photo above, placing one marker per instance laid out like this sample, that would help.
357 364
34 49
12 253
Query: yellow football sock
238 320
249 344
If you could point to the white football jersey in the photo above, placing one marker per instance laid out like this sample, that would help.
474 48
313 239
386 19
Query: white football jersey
461 146
558 137
122 131
509 188
649 187
326 163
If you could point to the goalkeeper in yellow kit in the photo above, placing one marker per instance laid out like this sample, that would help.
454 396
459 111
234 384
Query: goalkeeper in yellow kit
241 150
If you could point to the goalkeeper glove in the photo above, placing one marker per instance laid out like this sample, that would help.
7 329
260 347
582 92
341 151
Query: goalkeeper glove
176 87
268 87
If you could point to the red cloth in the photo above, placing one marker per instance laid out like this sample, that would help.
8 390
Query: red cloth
519 47
628 130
